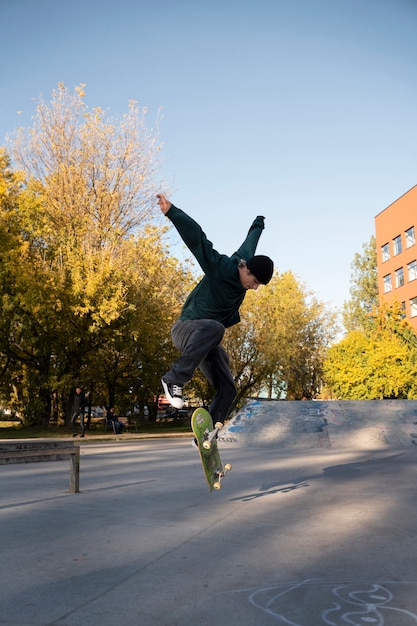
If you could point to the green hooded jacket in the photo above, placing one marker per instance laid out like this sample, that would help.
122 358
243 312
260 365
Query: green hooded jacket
220 293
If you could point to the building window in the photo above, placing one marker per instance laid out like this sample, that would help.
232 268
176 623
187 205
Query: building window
413 307
410 238
387 283
397 245
403 312
385 252
399 277
412 270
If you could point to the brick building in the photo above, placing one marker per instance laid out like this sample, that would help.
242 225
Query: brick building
396 247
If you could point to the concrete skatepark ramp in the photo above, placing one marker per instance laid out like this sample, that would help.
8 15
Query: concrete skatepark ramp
363 424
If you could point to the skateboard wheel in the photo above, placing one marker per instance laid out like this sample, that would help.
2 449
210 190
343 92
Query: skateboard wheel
227 467
206 445
217 485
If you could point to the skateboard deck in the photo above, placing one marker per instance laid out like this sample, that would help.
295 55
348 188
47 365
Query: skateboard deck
213 468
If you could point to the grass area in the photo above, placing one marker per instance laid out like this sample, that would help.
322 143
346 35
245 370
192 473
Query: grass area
14 430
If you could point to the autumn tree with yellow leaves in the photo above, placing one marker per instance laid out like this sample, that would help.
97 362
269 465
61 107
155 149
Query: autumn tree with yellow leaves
83 265
375 363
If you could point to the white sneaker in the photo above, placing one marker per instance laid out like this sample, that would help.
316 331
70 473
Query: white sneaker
173 394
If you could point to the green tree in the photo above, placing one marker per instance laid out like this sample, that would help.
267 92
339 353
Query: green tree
129 365
364 300
280 344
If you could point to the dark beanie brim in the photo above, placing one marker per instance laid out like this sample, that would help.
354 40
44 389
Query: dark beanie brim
262 267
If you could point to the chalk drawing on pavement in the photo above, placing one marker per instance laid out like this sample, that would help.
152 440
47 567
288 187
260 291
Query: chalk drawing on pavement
357 603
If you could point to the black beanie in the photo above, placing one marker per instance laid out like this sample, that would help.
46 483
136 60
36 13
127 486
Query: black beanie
262 267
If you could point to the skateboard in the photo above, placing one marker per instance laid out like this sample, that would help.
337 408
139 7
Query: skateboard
203 429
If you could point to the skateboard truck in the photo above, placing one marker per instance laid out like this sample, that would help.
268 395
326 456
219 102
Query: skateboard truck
209 436
219 475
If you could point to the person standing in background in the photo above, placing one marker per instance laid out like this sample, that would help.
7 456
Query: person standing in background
78 406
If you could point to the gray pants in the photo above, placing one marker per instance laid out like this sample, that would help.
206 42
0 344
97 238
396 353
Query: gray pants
80 414
199 343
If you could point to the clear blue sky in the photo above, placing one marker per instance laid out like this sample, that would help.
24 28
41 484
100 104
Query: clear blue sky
300 110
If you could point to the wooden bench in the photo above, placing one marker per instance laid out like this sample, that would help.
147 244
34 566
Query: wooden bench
127 422
43 450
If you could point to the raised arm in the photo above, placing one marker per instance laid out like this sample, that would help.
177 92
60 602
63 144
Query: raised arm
248 247
190 232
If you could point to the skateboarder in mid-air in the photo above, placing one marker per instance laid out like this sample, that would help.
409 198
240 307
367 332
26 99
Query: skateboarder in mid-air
212 306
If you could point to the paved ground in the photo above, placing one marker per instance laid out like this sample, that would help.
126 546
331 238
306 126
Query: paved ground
299 537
